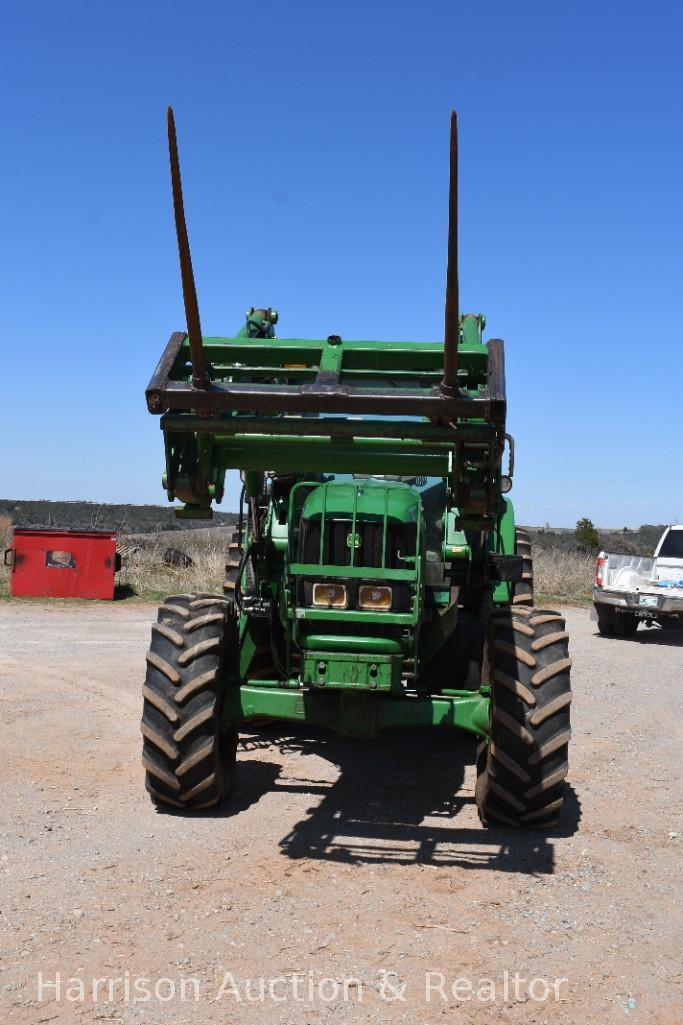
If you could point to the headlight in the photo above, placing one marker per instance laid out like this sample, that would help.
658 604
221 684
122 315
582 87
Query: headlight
505 484
330 596
373 598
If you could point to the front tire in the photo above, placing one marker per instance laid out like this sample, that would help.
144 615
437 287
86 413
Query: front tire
521 770
189 760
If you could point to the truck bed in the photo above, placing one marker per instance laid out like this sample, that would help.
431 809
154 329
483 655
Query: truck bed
645 586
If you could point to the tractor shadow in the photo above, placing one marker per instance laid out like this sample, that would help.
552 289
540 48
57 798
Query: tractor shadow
397 800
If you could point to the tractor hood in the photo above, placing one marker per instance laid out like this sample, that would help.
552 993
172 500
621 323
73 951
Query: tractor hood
369 499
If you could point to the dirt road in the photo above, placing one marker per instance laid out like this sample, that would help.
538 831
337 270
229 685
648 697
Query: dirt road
348 881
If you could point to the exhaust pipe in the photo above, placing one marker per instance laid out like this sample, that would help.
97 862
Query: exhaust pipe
452 312
200 377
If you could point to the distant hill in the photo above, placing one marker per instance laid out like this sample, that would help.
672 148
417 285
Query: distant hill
126 519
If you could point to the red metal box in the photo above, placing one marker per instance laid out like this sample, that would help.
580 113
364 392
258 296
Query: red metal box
62 563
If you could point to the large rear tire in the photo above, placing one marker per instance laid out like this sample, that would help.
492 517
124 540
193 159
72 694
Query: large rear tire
522 767
523 590
189 760
232 565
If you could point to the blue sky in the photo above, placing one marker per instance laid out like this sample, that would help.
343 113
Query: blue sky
314 146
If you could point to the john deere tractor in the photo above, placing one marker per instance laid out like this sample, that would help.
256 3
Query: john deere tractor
376 578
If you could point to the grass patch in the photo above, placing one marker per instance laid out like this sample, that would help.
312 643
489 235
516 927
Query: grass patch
565 577
543 600
146 577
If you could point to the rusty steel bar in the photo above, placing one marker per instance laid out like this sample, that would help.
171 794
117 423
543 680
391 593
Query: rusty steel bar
162 371
200 378
452 312
289 399
324 427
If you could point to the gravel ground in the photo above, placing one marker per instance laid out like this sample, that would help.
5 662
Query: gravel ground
343 872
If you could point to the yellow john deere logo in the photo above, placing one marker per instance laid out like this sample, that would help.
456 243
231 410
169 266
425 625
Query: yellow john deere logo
353 540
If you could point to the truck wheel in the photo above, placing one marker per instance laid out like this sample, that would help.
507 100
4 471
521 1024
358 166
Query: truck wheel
523 590
605 620
189 759
625 624
522 767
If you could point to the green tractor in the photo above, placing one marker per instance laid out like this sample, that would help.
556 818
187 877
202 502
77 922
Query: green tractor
376 579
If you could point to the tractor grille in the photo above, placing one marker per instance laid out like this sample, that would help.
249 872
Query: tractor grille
367 548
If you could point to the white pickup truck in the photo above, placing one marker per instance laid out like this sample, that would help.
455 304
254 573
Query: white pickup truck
629 588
